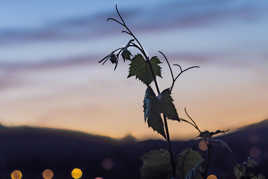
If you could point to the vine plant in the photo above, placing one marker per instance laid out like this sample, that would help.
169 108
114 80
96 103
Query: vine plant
158 108
147 69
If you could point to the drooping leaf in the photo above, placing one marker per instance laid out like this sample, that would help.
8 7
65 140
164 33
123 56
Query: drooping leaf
156 123
126 55
187 161
149 98
151 112
113 58
141 70
156 165
166 105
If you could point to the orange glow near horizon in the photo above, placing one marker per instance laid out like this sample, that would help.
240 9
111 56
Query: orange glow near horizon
111 105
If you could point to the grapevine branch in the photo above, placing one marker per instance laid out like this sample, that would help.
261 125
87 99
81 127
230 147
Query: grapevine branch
135 43
141 49
171 71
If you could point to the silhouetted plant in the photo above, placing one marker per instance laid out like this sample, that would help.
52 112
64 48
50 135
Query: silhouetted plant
206 140
247 170
158 107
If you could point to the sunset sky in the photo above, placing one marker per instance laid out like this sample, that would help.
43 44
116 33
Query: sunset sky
50 76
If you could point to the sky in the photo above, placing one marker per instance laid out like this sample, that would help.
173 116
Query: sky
50 76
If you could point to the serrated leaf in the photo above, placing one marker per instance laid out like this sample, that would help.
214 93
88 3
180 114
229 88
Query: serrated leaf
156 123
186 161
126 55
151 112
156 165
166 105
141 70
156 66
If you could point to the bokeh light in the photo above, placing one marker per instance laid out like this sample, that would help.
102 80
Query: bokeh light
107 164
255 152
48 174
16 174
212 177
77 173
99 178
203 145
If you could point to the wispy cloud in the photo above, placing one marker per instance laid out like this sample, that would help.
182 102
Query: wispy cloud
73 29
164 16
50 63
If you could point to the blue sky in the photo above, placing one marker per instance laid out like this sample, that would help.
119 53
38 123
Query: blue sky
49 52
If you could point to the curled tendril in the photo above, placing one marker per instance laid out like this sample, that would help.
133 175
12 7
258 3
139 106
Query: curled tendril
171 71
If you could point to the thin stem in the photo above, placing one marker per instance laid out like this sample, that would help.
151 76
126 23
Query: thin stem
181 72
170 69
115 20
103 60
119 14
139 46
208 160
194 124
136 46
128 31
184 120
172 160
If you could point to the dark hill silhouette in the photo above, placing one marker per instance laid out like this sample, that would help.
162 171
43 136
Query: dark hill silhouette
34 149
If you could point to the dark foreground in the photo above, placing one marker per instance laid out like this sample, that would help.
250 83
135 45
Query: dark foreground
34 149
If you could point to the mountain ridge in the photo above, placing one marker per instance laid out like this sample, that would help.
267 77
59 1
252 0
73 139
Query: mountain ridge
34 149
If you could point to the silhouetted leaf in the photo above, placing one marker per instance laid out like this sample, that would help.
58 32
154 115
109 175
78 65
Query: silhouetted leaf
155 65
156 123
156 165
149 98
187 161
113 58
126 55
141 70
166 105
151 112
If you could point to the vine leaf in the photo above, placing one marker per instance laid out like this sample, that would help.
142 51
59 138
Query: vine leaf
187 162
156 165
155 65
126 55
151 112
141 69
166 105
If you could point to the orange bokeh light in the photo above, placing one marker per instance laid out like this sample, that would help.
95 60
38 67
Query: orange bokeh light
212 177
16 174
48 174
203 145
